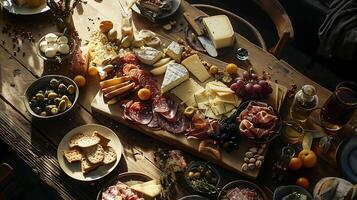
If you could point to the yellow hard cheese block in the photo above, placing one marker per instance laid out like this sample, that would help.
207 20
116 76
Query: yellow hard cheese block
195 66
220 30
229 98
150 188
186 91
202 100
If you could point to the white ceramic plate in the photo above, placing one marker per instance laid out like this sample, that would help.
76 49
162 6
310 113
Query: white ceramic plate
74 169
13 8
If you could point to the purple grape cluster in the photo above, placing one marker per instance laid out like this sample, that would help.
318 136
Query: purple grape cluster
252 86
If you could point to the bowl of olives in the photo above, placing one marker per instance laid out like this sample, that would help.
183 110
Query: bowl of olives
202 177
51 96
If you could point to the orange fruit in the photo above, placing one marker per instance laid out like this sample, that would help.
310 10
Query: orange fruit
80 80
303 182
231 68
308 157
144 94
92 71
295 163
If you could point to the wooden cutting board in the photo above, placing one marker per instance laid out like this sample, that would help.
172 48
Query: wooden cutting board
232 161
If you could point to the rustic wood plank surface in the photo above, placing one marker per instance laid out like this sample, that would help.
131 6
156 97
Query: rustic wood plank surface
20 66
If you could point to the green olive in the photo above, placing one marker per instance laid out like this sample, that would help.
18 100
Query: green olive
43 113
54 83
71 89
52 95
54 111
68 102
57 100
197 175
189 111
191 175
62 106
40 97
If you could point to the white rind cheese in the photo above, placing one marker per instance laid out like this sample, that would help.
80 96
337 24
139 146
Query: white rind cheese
148 55
150 188
220 30
186 91
174 75
174 51
195 66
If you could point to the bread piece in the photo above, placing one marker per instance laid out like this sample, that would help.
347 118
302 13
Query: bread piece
73 155
84 141
103 140
19 2
94 154
109 155
328 189
87 167
35 3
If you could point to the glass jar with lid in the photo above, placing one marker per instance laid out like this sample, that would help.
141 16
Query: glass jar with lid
305 101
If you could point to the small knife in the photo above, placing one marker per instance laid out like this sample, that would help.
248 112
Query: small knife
206 43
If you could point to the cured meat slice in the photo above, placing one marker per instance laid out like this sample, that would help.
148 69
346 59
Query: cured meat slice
127 110
171 114
178 127
134 73
154 123
161 105
128 67
140 112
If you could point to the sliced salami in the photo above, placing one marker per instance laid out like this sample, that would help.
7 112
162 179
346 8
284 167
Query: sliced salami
133 73
171 114
140 112
128 67
161 105
127 110
178 127
154 123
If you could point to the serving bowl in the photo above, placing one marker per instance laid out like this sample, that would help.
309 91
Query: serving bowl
58 57
267 139
285 190
43 83
194 166
241 184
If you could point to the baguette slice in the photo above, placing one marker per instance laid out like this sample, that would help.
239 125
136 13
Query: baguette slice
103 140
84 141
109 155
73 155
94 154
87 167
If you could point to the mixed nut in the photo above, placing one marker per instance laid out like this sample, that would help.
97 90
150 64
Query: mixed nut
253 158
54 99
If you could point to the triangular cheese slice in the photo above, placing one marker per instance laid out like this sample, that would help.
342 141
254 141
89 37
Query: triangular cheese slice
186 91
174 75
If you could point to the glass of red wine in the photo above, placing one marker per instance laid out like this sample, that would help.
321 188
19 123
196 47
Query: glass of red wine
339 107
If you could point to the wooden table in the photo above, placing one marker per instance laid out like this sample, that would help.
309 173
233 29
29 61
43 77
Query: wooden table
36 141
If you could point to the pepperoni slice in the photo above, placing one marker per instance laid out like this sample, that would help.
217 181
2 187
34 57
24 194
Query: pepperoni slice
161 105
128 67
140 112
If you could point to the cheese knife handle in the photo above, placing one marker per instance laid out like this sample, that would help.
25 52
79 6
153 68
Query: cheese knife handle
198 30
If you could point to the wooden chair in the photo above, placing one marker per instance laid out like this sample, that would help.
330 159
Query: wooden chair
273 9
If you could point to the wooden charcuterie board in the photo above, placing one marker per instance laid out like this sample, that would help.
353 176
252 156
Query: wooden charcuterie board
232 161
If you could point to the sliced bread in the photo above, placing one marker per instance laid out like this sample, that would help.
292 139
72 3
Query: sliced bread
103 140
94 154
87 167
109 155
73 155
84 141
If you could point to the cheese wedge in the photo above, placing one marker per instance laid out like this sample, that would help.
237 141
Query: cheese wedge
186 91
174 75
174 51
202 100
161 69
195 66
148 55
150 188
220 30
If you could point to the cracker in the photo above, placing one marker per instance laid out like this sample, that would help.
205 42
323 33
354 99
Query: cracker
109 155
84 141
103 140
87 167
